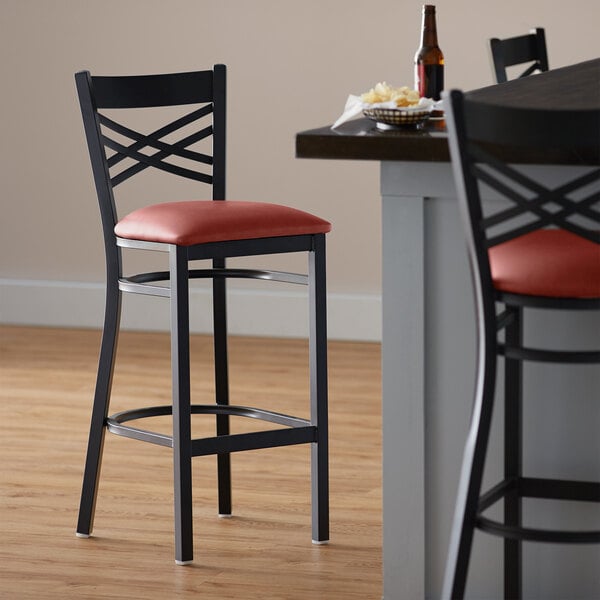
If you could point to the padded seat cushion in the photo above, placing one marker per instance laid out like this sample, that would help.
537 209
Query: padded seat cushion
549 262
202 221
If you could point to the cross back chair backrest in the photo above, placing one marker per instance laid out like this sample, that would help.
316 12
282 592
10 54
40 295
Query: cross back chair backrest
529 48
118 152
486 137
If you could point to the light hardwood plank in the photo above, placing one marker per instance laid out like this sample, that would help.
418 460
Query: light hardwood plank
263 552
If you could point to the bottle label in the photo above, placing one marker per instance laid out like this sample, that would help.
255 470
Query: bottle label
429 80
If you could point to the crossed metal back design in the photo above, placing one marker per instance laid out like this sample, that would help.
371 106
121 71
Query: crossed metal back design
546 206
153 140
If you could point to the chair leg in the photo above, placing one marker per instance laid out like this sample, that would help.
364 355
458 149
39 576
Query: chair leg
469 486
180 365
91 475
222 386
513 453
318 392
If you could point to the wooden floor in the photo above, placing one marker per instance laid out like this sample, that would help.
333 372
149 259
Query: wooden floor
263 552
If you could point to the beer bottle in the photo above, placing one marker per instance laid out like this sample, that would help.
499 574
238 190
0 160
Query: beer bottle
429 60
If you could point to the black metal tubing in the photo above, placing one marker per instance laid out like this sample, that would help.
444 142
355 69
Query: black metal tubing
559 489
318 390
127 285
461 537
536 487
208 409
549 303
135 433
499 491
300 431
139 283
253 441
551 356
230 249
274 245
112 309
514 489
518 534
141 91
513 452
504 319
503 178
156 134
222 385
220 292
106 363
180 367
278 276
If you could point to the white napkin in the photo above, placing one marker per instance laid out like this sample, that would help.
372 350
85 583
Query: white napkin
354 107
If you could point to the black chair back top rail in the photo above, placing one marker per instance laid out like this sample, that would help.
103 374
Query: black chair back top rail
139 91
532 127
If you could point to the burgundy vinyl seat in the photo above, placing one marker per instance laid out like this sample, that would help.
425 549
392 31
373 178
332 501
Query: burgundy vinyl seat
551 263
201 221
186 232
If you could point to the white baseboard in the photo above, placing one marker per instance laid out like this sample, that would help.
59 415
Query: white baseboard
266 312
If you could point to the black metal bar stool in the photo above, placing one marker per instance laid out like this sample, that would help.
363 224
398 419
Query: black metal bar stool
191 230
541 249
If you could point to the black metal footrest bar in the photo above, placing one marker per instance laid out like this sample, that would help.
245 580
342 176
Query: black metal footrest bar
537 535
129 285
298 431
558 356
559 489
551 489
140 284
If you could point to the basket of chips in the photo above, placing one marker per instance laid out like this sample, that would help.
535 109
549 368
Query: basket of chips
395 106
396 116
389 107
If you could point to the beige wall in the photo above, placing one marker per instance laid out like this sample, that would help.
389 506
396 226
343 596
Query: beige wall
291 65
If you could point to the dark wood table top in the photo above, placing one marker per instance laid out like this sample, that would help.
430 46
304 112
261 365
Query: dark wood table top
574 87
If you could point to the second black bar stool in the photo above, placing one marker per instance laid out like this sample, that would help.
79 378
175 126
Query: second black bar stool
538 250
